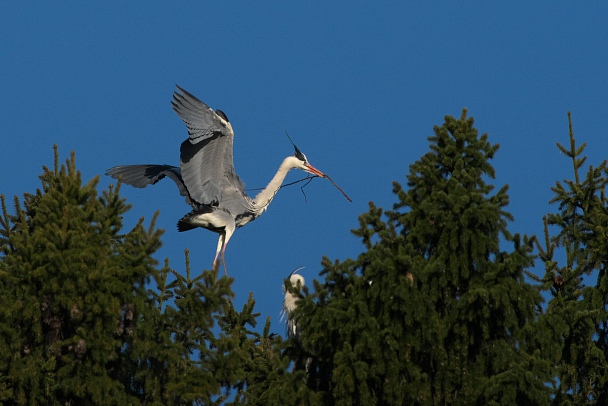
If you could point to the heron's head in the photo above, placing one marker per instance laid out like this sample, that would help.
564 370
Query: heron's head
304 165
296 280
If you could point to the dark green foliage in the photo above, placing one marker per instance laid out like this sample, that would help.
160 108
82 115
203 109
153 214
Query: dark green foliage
79 324
433 312
579 286
72 289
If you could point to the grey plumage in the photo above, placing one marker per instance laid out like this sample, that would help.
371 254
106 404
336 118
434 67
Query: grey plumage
206 157
141 176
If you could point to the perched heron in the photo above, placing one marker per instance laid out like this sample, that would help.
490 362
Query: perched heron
289 303
206 175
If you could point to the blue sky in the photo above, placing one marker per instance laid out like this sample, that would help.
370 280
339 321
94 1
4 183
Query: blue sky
358 86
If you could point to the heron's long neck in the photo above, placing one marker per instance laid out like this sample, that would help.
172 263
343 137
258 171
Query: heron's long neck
263 199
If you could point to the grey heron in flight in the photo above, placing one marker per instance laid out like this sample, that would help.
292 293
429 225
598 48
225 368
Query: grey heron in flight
206 176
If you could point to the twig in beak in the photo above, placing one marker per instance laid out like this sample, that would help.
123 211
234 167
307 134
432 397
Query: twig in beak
310 178
339 188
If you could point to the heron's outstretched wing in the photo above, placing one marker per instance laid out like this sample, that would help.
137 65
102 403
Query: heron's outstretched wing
206 157
143 175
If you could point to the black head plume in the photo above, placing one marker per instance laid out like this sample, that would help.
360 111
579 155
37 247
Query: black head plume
296 271
298 153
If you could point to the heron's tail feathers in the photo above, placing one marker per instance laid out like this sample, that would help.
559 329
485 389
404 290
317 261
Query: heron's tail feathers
184 225
199 217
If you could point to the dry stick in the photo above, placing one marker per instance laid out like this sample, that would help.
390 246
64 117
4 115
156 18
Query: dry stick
309 179
339 188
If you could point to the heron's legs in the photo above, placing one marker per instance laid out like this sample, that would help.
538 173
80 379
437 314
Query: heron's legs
228 231
224 260
220 244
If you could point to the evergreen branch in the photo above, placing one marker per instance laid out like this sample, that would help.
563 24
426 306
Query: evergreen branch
5 220
56 159
187 255
161 286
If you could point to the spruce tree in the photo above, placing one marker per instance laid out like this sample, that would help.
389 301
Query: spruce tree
577 313
434 312
72 288
87 318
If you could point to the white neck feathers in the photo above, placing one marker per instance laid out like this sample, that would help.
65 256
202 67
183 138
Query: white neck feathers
263 199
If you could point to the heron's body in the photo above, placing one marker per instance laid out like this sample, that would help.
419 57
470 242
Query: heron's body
289 304
206 176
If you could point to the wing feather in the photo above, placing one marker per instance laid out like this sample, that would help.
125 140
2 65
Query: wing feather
141 176
206 162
